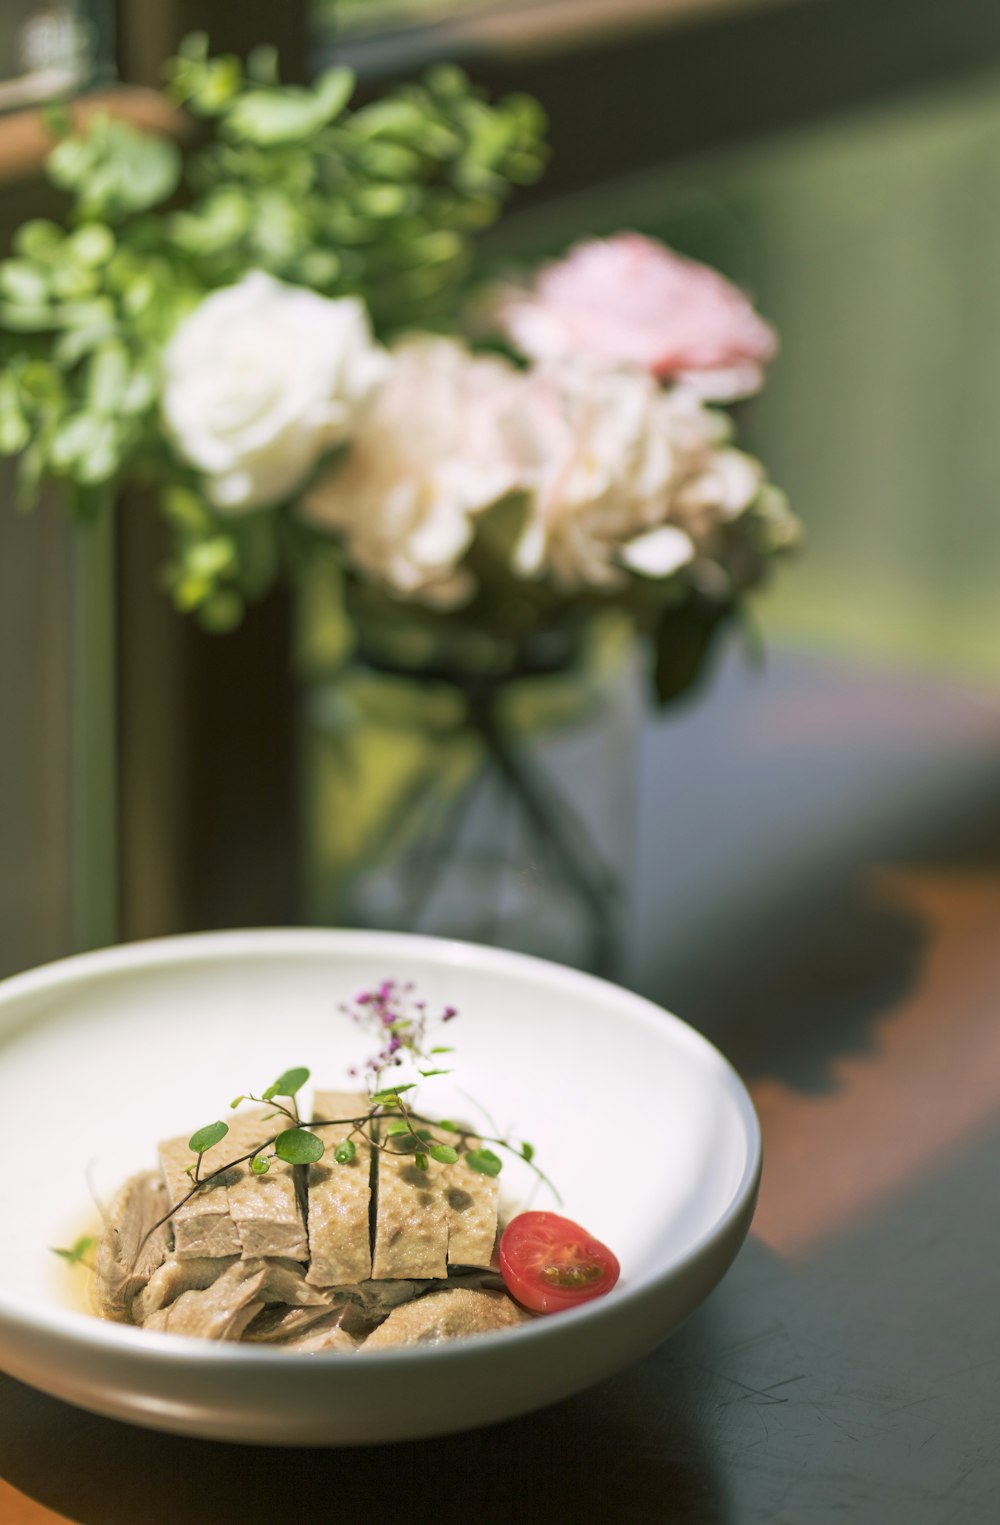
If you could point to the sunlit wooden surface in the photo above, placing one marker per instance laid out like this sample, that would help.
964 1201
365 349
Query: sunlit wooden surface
846 1369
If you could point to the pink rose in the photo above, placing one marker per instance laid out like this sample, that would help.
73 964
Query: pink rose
631 301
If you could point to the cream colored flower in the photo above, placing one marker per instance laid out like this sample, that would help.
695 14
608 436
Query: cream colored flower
429 455
622 474
260 380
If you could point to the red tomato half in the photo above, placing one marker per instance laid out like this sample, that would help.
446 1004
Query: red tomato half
550 1263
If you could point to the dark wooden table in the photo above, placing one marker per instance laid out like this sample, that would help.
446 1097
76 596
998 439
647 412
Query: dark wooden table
848 1368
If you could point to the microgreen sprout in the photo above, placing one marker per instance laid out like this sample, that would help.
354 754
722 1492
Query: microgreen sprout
77 1253
401 1023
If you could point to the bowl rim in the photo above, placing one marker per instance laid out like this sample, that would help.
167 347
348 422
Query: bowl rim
88 1332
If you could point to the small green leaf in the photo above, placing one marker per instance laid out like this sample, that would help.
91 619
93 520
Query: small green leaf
77 1251
289 1083
390 1094
23 282
298 1147
260 1164
344 1152
442 1048
443 1153
93 244
235 1102
108 377
420 1160
484 1162
394 1129
428 1073
449 1127
205 1137
527 1152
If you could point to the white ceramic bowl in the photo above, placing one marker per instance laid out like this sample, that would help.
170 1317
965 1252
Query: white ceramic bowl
647 1131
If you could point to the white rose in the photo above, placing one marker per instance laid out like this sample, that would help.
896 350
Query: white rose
428 455
260 380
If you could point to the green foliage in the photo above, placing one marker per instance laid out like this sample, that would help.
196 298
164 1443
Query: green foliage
296 1146
484 1162
113 170
385 201
684 635
389 1097
77 1252
344 1152
204 1138
287 1084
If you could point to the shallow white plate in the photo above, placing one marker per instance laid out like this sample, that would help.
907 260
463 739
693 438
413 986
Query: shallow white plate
648 1133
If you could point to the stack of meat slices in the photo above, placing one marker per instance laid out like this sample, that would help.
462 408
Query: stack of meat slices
369 1254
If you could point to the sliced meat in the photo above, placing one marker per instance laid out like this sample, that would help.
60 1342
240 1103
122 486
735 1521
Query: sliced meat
411 1219
446 1316
279 1323
202 1227
472 1201
175 1277
374 1299
328 1334
129 1254
238 1213
285 1282
266 1210
220 1312
340 1199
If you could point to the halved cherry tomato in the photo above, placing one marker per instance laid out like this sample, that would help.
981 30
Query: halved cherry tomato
550 1263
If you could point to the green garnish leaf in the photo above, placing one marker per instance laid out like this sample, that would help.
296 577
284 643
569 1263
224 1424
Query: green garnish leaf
428 1073
449 1127
441 1048
444 1154
207 1136
484 1162
288 1084
298 1147
420 1160
77 1251
528 1152
389 1095
394 1129
344 1152
260 1164
235 1102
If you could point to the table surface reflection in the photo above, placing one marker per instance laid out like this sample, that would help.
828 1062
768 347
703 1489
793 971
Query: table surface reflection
848 1368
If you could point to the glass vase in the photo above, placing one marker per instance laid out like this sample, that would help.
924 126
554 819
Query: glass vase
492 806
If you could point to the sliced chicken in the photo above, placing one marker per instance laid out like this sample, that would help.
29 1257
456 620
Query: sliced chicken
220 1312
472 1201
340 1198
411 1219
129 1254
175 1277
331 1332
238 1213
444 1316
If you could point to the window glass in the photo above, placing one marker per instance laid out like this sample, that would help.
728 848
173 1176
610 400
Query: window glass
47 49
373 15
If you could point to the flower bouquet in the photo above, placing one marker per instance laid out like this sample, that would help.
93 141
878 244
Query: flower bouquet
287 337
